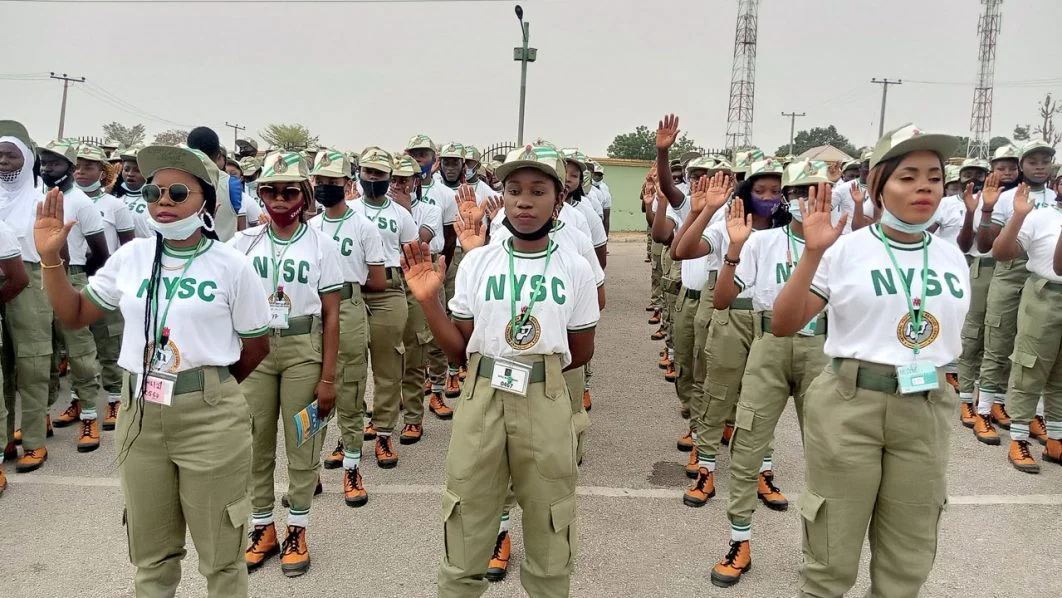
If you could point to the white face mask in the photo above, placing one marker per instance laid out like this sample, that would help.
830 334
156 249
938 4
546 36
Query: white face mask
890 220
94 187
794 211
179 230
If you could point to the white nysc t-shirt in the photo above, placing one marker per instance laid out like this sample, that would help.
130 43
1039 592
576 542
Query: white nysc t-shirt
566 236
429 217
77 206
116 219
567 214
1038 236
395 225
358 240
767 260
949 217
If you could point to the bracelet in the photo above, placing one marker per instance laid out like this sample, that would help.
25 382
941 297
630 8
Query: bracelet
61 263
730 262
323 381
984 224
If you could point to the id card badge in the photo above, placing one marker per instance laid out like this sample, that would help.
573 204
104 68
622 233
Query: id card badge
917 376
159 388
510 376
809 328
278 314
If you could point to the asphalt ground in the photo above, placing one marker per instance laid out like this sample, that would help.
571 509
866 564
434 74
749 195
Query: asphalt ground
61 532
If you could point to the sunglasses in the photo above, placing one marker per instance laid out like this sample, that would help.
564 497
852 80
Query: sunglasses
271 193
178 193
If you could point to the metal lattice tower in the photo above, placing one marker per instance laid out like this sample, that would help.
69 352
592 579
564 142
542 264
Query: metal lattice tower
743 77
988 28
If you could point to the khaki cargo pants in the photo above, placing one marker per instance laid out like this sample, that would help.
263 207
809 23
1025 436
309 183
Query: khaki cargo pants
388 312
865 445
27 356
531 439
186 465
973 329
280 387
353 367
1037 369
437 362
417 339
81 353
669 283
687 305
726 351
1001 323
656 251
107 332
778 367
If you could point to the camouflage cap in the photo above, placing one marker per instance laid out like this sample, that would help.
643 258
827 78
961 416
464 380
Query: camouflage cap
908 138
579 158
1036 145
587 182
689 156
975 163
283 167
377 159
850 164
472 153
452 150
250 165
248 142
865 154
154 158
420 142
91 153
67 148
11 128
1005 152
701 163
951 173
540 157
764 167
130 153
744 159
543 142
331 163
598 168
405 165
116 155
802 173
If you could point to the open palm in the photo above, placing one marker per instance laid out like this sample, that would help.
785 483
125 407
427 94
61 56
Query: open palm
471 233
819 230
666 132
423 278
49 230
738 225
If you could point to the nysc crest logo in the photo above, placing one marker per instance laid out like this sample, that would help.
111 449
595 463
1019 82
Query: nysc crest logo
928 329
525 335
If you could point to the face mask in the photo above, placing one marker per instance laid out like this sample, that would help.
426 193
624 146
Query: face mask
596 183
533 236
284 219
252 187
179 230
131 191
374 189
890 220
9 177
425 171
765 207
52 181
470 174
94 187
575 195
794 211
328 195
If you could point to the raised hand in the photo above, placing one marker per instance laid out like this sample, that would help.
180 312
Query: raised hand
819 231
470 232
467 204
494 204
423 279
858 194
969 199
834 171
49 231
648 195
990 194
738 225
1022 203
666 132
719 190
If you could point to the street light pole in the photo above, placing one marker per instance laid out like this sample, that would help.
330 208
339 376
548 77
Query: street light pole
525 55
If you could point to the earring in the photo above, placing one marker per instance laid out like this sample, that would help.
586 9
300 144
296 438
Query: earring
208 225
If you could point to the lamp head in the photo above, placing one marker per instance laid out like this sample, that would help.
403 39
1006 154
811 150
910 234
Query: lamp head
519 12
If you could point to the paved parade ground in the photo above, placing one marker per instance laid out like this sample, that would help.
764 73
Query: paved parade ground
61 532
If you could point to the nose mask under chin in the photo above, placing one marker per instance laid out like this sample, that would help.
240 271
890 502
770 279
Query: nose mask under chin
9 177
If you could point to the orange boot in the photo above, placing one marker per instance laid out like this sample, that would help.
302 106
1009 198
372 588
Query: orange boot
262 545
295 552
452 390
462 373
90 436
1053 451
701 490
693 466
71 416
664 361
370 431
728 433
737 561
111 419
3 482
386 457
984 431
48 431
769 494
953 380
499 561
411 434
670 373
438 406
999 416
354 493
655 318
31 460
1020 458
967 414
1038 429
658 335
334 460
685 444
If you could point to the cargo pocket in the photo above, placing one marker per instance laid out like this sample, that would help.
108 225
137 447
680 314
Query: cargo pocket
453 530
553 442
317 336
564 543
424 337
816 524
228 539
37 349
1023 362
971 331
115 329
993 320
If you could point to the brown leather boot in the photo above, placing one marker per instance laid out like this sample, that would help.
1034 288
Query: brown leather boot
1038 429
701 490
427 386
90 436
110 419
334 460
462 373
728 433
967 414
370 431
48 431
499 561
588 403
262 545
1020 458
354 493
295 552
386 457
685 443
953 380
693 466
411 434
984 431
999 416
31 460
1053 451
438 406
670 373
655 318
664 361
658 335
737 561
650 308
769 494
452 389
71 416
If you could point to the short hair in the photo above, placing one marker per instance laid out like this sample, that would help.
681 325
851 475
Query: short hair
205 140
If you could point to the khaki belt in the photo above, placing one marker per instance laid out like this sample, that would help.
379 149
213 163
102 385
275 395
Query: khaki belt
1054 286
296 327
188 380
692 294
872 376
391 273
742 303
820 324
486 370
347 291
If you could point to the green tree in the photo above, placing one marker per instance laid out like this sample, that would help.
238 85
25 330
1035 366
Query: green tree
1021 133
171 137
292 137
123 135
997 142
815 137
641 145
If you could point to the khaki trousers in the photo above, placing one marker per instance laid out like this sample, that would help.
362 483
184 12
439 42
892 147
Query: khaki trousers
864 449
417 338
1001 323
186 466
1037 369
498 435
280 387
657 272
27 355
973 329
107 332
685 333
437 362
388 312
726 351
81 353
353 370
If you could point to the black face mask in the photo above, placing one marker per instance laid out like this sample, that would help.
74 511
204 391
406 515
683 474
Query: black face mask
575 195
51 181
328 195
374 189
534 236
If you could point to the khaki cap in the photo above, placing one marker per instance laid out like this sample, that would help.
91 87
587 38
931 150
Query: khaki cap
744 159
283 167
975 163
405 165
764 167
11 128
377 159
1005 152
951 173
543 158
331 163
130 153
909 138
420 142
248 142
250 165
1034 145
154 158
579 158
91 153
452 150
67 148
802 173
472 153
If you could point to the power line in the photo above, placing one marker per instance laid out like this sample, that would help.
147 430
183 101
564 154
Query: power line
129 108
884 83
251 1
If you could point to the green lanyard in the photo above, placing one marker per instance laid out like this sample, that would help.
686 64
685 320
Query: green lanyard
346 215
376 215
916 317
791 249
277 260
169 299
517 324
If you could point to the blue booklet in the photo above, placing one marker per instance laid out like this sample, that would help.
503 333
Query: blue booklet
308 423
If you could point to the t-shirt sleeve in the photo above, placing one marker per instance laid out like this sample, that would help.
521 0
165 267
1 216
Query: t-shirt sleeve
90 220
331 268
102 288
9 247
820 284
123 220
597 231
461 304
745 273
408 231
371 243
1028 231
449 210
250 306
585 313
1003 210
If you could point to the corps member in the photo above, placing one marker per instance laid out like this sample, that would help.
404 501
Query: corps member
15 280
197 319
299 268
130 193
362 262
895 298
388 310
852 194
514 418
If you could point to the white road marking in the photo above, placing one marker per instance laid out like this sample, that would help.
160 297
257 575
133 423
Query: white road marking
594 491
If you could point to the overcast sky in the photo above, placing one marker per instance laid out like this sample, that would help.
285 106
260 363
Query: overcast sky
362 74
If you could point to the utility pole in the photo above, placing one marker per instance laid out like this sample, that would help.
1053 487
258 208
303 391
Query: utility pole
524 55
792 126
66 84
884 83
235 133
